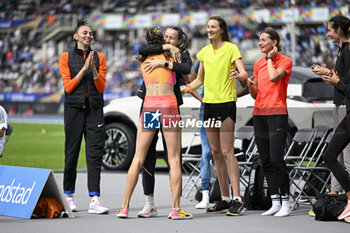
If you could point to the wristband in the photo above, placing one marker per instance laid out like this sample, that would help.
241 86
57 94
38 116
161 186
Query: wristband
166 64
189 89
269 57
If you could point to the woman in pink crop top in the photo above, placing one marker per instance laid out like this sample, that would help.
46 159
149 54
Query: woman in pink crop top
160 75
161 103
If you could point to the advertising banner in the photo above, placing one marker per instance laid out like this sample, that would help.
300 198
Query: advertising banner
21 187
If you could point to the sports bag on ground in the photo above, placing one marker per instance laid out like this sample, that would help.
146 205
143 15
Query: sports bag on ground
256 195
328 206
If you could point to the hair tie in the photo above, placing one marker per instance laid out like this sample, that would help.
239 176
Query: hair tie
189 89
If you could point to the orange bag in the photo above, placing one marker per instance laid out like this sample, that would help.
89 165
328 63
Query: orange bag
48 207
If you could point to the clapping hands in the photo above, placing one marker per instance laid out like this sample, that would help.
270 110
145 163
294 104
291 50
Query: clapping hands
331 78
89 62
320 70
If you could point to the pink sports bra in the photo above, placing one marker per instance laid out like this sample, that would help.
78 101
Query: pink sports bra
159 75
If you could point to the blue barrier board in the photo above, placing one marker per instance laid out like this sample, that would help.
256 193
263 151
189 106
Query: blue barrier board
20 189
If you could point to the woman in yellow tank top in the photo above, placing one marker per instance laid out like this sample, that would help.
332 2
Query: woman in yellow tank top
217 70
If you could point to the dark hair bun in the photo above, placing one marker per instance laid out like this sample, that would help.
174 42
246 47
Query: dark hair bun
80 23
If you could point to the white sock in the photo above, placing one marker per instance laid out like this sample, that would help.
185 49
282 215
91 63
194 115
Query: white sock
205 196
94 199
227 199
276 205
150 199
285 210
237 198
69 195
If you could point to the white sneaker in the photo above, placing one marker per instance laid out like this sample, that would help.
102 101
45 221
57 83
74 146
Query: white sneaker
284 212
96 207
203 205
148 210
72 204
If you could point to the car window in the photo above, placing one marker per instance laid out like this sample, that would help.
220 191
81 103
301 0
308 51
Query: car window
317 90
313 87
302 74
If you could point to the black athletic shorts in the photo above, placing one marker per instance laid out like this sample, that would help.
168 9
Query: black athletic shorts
220 111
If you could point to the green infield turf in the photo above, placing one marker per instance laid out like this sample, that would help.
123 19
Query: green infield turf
41 146
38 145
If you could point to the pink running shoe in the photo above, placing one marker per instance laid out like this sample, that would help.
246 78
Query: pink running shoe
346 212
123 212
181 214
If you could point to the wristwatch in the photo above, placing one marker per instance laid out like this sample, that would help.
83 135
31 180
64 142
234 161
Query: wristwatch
166 64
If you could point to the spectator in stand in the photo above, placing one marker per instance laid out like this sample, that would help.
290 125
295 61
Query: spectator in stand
115 47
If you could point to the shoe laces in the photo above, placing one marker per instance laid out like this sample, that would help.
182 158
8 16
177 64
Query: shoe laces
236 203
147 206
181 211
97 202
123 210
70 200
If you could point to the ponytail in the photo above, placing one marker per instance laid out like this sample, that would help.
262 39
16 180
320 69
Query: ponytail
223 27
341 22
181 36
273 34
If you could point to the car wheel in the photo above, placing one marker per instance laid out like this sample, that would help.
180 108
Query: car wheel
119 147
